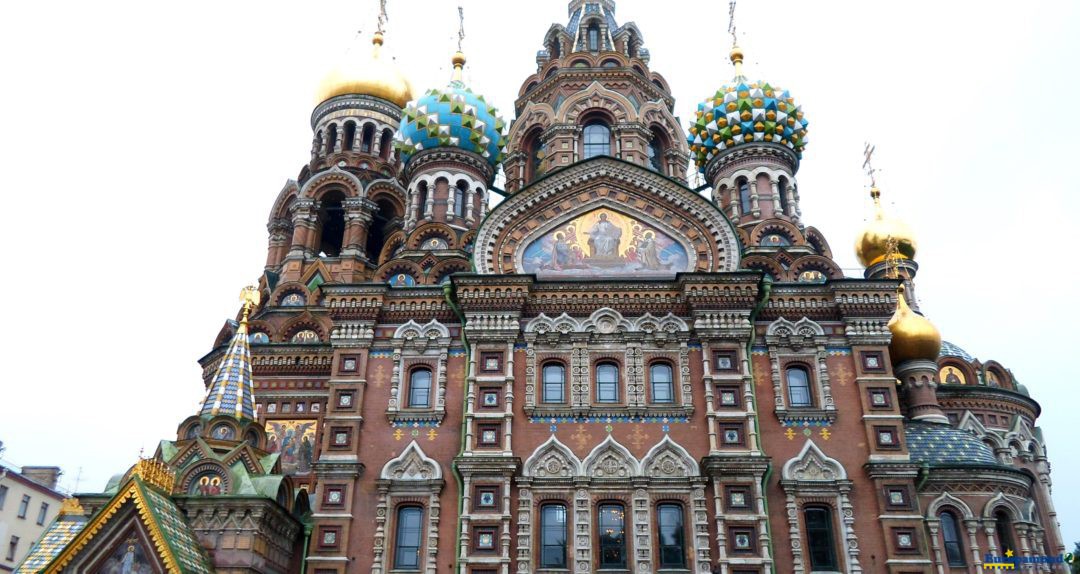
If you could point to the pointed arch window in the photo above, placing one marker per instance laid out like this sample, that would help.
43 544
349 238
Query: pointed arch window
672 536
655 152
820 538
386 143
553 536
420 388
661 383
1003 531
331 139
950 536
596 139
782 189
798 384
611 532
407 538
421 197
369 135
607 383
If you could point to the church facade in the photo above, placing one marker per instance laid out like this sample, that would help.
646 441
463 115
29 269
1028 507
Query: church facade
596 368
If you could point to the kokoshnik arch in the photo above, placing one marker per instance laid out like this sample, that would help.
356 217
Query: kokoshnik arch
606 371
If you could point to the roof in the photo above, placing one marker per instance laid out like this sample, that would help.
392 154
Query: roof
951 350
55 538
14 474
941 444
176 545
231 391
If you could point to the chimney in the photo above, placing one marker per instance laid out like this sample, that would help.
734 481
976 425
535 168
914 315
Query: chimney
46 476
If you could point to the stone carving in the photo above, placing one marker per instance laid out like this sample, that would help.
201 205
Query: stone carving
411 464
552 459
812 465
610 460
668 460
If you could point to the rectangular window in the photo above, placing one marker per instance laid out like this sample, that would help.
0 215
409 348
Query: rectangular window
42 513
880 398
886 438
607 383
738 497
348 364
896 497
485 539
669 525
489 398
905 540
345 400
553 536
407 539
798 383
554 383
420 388
334 496
611 532
873 361
742 540
662 383
13 547
340 437
819 538
24 506
491 362
328 536
732 435
3 495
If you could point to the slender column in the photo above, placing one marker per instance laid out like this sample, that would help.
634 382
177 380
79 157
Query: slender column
776 196
470 198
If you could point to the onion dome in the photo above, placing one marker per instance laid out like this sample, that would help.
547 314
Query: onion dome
370 76
872 245
914 337
452 117
743 112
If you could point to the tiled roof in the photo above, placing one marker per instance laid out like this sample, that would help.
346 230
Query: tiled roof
55 538
942 444
950 350
231 390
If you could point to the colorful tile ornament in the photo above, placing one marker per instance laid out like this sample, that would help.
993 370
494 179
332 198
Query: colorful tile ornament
745 112
631 419
943 444
452 117
231 390
52 542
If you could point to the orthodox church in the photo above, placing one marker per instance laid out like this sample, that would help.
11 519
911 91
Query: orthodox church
596 368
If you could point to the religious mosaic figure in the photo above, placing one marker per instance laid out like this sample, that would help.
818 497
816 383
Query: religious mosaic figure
604 238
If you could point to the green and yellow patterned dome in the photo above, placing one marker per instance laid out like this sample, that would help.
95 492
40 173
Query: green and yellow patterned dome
744 112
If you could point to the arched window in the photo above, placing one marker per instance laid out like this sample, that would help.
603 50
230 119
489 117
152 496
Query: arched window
611 534
950 534
534 150
781 188
669 526
376 238
1003 531
744 196
386 143
554 383
819 538
597 140
661 383
332 224
422 193
350 135
656 154
369 135
318 141
331 139
407 538
798 385
459 198
593 34
607 383
420 388
553 536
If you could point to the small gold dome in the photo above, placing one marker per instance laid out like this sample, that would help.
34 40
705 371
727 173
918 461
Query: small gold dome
872 245
913 336
372 76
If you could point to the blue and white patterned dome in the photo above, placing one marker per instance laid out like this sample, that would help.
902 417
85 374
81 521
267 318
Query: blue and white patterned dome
452 117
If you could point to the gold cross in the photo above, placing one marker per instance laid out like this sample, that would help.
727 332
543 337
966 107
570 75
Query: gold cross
868 154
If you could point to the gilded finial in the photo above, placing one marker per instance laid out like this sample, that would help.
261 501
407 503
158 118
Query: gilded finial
250 297
155 472
70 506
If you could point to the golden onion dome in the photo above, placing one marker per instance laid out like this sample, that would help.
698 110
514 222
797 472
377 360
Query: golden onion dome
372 76
872 245
913 336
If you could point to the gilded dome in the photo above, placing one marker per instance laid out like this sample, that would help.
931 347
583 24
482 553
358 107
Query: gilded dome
872 244
454 116
744 112
371 76
914 337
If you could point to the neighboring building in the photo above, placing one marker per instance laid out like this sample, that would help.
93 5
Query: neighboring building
29 502
608 370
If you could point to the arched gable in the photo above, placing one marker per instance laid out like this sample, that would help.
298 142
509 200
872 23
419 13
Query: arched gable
596 98
411 464
336 177
611 460
946 500
813 465
552 459
668 459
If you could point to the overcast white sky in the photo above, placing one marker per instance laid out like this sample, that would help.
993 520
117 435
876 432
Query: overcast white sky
143 144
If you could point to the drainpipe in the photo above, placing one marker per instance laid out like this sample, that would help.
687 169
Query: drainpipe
922 477
765 290
448 293
307 541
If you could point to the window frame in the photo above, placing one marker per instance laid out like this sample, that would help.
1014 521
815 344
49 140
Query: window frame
481 489
670 383
24 507
43 513
412 387
803 368
680 531
543 531
459 198
957 544
615 383
829 531
544 383
482 428
601 545
398 535
588 148
745 197
1003 531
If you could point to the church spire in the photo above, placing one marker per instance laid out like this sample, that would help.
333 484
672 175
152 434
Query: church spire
231 390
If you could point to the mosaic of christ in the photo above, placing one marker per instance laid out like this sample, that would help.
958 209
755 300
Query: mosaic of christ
605 243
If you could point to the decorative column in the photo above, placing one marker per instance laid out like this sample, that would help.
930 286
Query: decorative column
303 220
754 206
919 384
776 195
